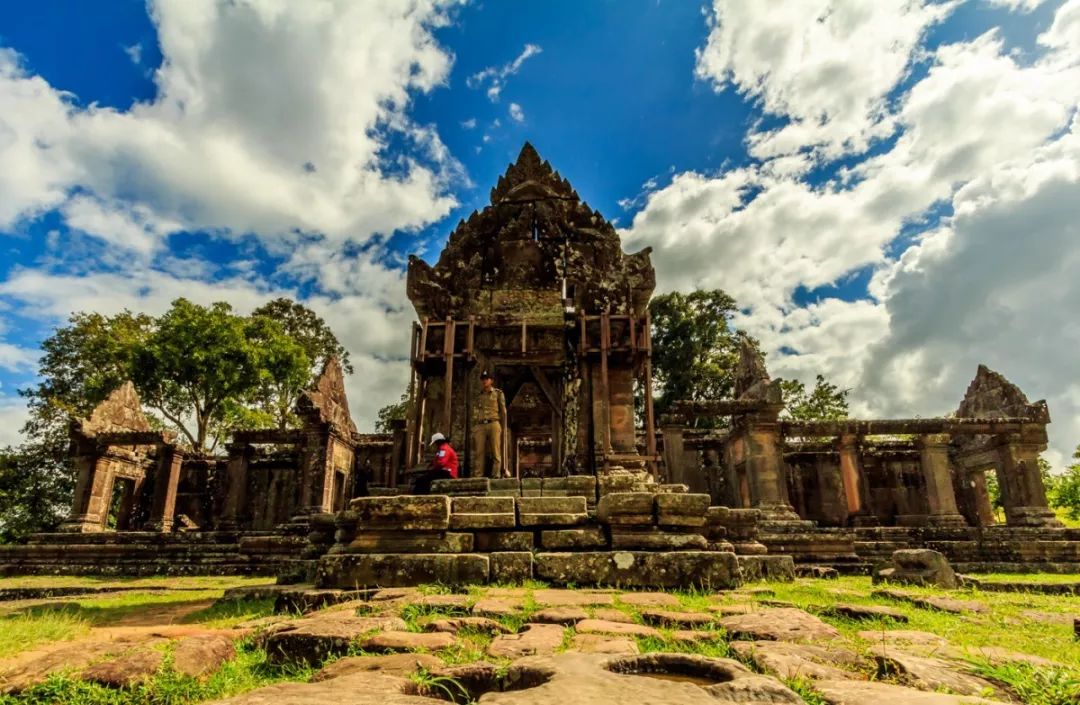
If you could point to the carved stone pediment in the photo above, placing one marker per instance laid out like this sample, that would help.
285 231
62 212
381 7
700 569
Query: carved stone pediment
120 412
326 402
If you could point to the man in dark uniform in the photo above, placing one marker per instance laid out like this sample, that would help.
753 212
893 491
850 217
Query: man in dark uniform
489 421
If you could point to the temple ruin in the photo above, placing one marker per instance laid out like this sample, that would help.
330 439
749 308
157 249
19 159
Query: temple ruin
536 289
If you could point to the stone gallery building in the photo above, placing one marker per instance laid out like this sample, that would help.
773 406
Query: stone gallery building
536 289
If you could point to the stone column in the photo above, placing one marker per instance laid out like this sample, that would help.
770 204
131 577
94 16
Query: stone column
236 485
940 495
315 466
984 510
1023 493
166 479
765 467
673 452
847 447
90 506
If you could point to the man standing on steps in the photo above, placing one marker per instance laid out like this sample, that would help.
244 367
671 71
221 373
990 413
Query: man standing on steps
489 420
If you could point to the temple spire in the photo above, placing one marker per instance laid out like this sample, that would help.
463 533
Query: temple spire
531 178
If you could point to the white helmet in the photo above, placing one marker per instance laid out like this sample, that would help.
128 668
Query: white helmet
435 437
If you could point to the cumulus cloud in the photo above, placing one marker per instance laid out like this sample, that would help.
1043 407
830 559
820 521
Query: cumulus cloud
493 78
978 135
239 137
825 65
371 322
516 113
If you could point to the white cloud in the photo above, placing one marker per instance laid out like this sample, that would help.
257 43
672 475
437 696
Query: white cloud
14 358
134 53
516 113
239 138
827 65
372 321
990 137
494 77
469 124
13 415
1021 5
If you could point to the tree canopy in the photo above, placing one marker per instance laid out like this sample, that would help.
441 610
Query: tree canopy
695 349
824 401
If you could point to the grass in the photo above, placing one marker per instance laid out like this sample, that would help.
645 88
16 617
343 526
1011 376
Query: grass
1035 685
805 689
228 614
21 632
1055 578
469 646
431 685
206 582
1004 625
249 670
716 646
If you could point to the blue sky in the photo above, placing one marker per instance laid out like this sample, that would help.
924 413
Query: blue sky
843 168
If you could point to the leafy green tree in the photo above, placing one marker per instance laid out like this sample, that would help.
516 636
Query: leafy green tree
824 401
200 362
695 350
277 399
392 412
1064 492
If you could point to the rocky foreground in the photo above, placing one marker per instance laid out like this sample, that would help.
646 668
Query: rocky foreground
829 642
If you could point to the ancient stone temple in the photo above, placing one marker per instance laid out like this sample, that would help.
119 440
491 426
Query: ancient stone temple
536 289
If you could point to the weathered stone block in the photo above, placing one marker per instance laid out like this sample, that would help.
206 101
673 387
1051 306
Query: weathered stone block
410 542
551 511
778 568
624 482
401 570
680 520
573 539
491 541
638 569
511 567
482 513
623 504
918 566
682 504
481 505
461 487
407 512
656 540
483 521
503 484
531 483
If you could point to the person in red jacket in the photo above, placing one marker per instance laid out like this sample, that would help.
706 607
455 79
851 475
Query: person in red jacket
444 465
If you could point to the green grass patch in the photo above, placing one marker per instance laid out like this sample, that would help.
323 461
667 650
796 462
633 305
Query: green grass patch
441 687
227 614
249 670
20 632
1050 578
715 646
805 689
417 615
1036 685
469 646
1005 624
202 582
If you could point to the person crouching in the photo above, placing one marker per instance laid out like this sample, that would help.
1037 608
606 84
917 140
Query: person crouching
444 465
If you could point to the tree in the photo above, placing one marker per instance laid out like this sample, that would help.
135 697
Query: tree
1064 492
202 365
825 401
278 398
392 412
695 350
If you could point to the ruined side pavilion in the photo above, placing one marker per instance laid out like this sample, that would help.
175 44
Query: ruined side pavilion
536 289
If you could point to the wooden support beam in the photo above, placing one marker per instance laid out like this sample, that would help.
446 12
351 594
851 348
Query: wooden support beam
584 345
524 336
650 427
470 339
448 387
605 394
423 339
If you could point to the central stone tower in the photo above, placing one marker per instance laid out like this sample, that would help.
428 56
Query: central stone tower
536 289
